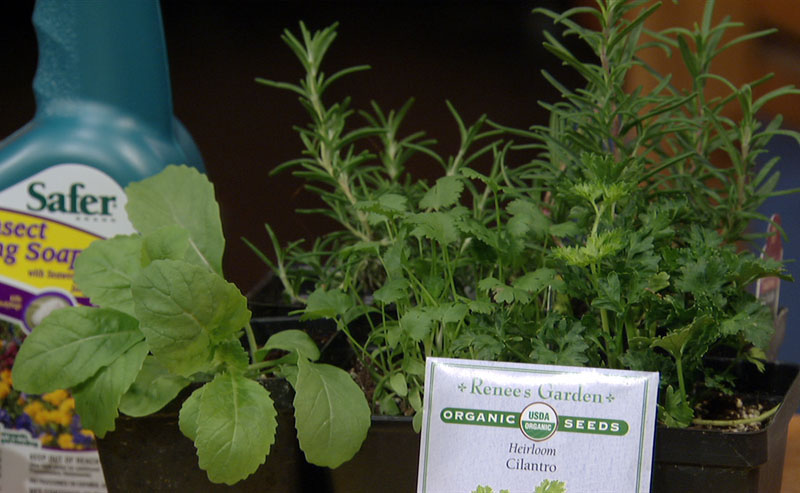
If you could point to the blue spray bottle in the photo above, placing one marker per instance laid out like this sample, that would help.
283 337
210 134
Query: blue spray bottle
103 118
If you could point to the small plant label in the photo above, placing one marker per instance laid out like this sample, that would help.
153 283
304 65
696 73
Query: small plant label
522 428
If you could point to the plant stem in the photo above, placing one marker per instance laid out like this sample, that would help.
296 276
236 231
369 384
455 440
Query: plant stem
735 422
251 341
257 367
679 369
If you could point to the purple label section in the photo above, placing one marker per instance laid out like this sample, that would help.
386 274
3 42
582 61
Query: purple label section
30 308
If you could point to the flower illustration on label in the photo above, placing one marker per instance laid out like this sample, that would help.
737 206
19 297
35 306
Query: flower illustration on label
538 421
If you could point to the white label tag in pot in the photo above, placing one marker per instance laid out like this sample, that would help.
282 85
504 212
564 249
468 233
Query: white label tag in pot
509 427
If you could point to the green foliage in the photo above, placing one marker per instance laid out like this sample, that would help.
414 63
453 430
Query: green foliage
235 426
619 245
331 414
165 319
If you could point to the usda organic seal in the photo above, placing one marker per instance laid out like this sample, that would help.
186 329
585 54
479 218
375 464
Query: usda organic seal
538 421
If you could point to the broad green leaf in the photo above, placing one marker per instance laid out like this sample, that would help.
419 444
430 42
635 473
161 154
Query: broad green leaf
416 323
391 292
474 175
488 238
504 294
609 294
331 414
535 281
415 399
97 399
393 202
754 321
185 310
451 313
435 284
676 412
414 367
444 193
387 206
480 346
182 196
704 276
560 342
289 372
104 271
484 307
190 410
674 342
387 406
326 304
416 423
757 357
71 345
563 230
394 333
658 281
437 226
153 389
489 283
232 355
167 243
526 217
295 341
397 382
236 426
393 259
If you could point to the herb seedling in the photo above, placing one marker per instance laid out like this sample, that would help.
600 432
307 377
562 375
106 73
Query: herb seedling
165 318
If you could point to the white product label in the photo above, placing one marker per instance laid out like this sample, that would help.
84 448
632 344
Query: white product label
46 220
27 467
509 427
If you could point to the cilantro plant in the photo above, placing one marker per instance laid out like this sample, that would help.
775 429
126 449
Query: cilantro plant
164 318
620 245
654 269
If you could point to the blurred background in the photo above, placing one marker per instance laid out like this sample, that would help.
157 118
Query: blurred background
483 56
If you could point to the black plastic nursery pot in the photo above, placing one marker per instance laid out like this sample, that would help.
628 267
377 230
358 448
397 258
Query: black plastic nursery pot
151 454
686 460
387 462
735 462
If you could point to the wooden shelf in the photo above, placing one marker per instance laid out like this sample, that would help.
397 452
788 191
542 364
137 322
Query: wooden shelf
791 466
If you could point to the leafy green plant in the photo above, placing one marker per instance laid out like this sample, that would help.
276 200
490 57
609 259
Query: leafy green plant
164 319
654 269
619 245
405 248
